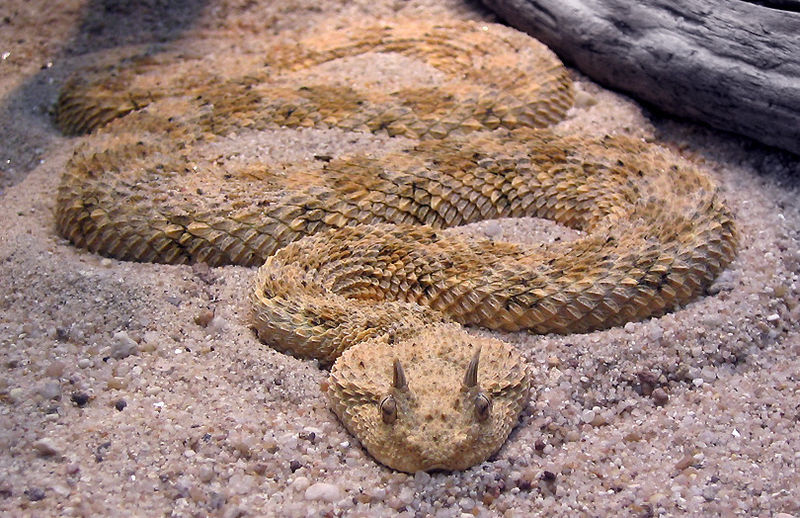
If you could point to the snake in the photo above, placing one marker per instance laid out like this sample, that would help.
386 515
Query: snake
355 268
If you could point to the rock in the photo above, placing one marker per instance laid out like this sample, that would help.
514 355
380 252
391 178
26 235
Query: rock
80 399
421 478
204 317
660 397
49 390
46 447
492 229
55 369
301 483
16 395
205 473
123 345
732 65
35 494
323 491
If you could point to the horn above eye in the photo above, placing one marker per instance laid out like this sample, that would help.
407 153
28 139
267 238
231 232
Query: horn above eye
471 378
399 376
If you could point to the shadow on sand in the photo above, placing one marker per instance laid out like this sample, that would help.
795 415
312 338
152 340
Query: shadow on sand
26 128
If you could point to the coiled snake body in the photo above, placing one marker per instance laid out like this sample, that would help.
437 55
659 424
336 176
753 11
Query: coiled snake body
354 269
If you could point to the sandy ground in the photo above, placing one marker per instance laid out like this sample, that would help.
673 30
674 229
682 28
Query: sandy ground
138 389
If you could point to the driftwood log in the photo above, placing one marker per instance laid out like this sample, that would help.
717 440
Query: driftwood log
732 64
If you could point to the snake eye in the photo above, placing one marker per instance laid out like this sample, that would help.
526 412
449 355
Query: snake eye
388 410
483 406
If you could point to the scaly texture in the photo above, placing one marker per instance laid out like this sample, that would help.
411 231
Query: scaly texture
355 271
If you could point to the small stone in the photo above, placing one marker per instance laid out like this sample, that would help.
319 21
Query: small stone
655 332
120 404
123 345
633 436
106 262
16 394
205 474
588 416
492 229
204 317
270 446
323 491
406 495
584 100
35 494
243 444
80 399
217 325
83 363
421 478
660 397
294 465
116 383
46 447
630 327
685 462
50 390
301 484
55 369
698 382
773 317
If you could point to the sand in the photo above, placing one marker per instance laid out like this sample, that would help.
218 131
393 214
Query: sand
139 389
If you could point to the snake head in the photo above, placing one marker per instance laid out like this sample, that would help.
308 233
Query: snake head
439 400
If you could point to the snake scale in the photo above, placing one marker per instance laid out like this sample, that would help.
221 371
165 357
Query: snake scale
354 269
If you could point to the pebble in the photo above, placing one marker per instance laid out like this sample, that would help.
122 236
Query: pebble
406 495
492 229
217 325
323 491
655 332
421 478
46 447
80 398
301 483
50 390
16 394
123 345
116 383
35 494
55 369
205 474
584 100
630 327
204 317
84 363
120 404
660 397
